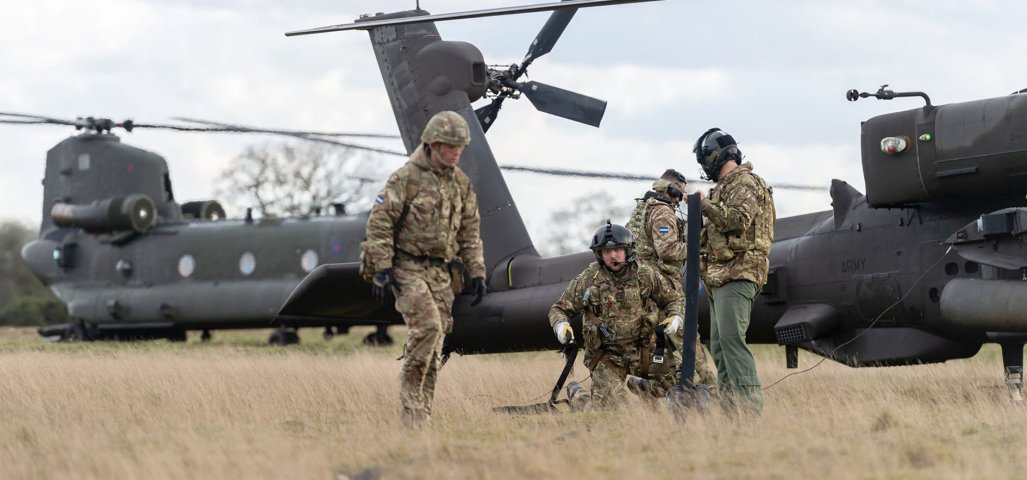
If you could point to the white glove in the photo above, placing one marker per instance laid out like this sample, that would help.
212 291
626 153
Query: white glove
564 332
672 325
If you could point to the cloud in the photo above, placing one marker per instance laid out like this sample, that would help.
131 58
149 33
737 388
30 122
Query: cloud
776 82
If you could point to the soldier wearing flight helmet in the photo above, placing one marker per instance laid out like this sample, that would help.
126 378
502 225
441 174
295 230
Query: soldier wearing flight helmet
736 240
621 302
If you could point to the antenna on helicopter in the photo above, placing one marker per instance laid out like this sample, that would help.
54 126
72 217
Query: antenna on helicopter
882 94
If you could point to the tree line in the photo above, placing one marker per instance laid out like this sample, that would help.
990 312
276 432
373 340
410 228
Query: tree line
24 301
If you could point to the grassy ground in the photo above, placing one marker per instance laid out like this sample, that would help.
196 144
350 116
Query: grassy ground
235 408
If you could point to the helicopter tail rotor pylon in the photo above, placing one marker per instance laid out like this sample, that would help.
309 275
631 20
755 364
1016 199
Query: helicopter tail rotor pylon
503 83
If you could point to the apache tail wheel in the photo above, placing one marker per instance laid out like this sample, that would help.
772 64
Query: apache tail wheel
283 337
379 338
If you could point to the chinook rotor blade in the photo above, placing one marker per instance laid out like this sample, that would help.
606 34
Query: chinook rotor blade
105 125
235 127
370 23
21 118
565 103
210 126
562 172
22 122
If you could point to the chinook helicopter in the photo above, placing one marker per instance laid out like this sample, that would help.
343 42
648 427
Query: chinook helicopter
925 267
129 262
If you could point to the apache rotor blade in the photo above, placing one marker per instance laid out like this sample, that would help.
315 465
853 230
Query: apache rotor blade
548 35
565 103
487 114
369 23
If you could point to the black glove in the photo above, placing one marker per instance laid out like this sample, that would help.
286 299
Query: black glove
479 290
381 289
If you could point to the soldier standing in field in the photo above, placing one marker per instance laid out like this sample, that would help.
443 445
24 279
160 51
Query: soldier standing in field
736 241
425 217
620 299
659 241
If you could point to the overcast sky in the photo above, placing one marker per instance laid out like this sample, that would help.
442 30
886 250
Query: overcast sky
773 74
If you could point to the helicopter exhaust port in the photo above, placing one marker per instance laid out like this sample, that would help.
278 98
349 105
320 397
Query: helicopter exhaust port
135 212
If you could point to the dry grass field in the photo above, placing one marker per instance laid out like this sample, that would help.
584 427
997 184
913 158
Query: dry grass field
235 408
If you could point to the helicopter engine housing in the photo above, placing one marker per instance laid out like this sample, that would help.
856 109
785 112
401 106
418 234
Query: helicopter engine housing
960 151
135 213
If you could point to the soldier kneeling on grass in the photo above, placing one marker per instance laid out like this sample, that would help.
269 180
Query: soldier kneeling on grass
621 301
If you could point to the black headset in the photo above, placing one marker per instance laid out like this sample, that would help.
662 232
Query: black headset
672 190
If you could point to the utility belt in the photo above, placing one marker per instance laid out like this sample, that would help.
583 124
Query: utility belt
608 351
423 259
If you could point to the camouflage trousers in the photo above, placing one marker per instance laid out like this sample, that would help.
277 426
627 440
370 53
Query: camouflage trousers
608 390
608 387
425 300
704 373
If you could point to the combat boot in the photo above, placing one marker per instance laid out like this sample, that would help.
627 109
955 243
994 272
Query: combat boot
577 397
415 418
638 385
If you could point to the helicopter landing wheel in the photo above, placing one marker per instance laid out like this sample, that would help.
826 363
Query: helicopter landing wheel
205 336
283 337
379 338
77 331
329 333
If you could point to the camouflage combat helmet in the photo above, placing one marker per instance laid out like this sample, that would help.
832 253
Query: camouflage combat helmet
447 127
613 236
713 149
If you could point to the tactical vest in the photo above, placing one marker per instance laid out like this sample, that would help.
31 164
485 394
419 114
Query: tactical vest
744 255
638 223
434 212
618 315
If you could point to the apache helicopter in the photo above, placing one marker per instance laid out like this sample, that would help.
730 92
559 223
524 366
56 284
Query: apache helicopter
925 267
129 262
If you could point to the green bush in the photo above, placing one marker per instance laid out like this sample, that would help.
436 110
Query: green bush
33 311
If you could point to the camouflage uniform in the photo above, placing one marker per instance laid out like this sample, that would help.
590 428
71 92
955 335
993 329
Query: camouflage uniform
442 223
619 315
736 242
659 241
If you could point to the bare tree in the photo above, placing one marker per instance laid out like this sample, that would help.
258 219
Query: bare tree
295 178
569 229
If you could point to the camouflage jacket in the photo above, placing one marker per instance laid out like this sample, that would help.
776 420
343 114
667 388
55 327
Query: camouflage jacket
619 312
442 220
739 229
658 235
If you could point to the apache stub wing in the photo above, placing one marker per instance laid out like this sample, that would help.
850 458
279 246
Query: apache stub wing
334 292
